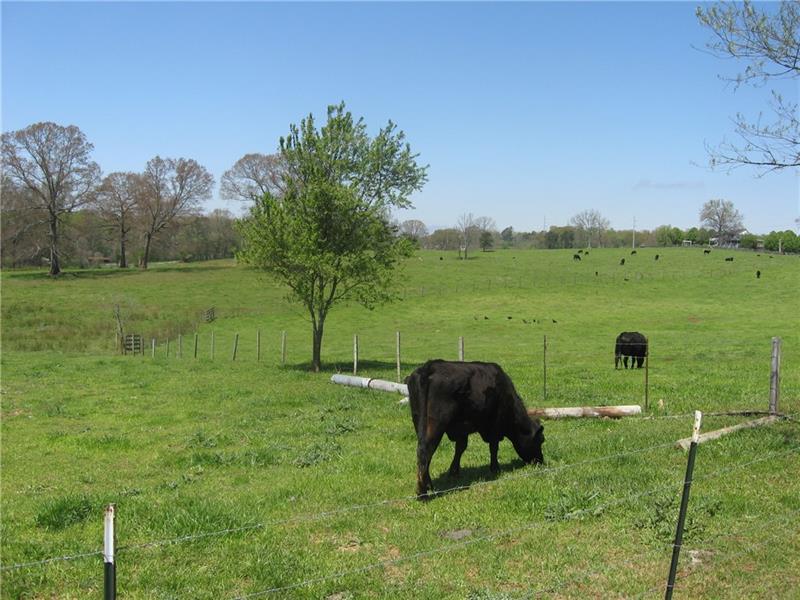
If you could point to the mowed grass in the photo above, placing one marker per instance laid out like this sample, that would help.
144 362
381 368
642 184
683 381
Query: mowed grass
306 487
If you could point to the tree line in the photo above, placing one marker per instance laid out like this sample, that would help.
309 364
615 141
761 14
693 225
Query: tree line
721 224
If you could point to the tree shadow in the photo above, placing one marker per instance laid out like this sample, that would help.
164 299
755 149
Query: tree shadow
109 272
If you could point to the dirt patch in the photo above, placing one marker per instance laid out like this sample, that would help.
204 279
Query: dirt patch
694 319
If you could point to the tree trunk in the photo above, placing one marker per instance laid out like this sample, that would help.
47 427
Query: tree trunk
146 254
55 267
316 353
123 260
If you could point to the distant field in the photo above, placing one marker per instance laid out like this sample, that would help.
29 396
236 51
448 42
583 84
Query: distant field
298 469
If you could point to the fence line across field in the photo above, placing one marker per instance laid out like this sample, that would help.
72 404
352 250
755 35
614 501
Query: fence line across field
356 507
342 510
489 537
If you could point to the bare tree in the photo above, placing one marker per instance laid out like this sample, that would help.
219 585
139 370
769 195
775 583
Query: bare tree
467 230
252 176
769 43
591 224
414 229
721 217
170 188
52 162
116 202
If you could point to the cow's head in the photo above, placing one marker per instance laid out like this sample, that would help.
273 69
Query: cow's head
528 441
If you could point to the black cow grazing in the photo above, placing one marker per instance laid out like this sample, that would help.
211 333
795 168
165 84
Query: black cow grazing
657 256
580 251
459 398
707 251
729 259
633 252
633 344
622 262
596 273
586 253
576 257
758 274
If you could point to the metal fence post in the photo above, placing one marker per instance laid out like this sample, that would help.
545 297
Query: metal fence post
195 345
461 348
283 348
544 368
258 345
646 374
109 566
687 485
212 345
397 352
235 346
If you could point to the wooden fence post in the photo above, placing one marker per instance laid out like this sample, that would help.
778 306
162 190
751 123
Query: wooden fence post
397 353
461 348
355 354
258 345
775 376
167 347
283 348
195 344
153 348
235 346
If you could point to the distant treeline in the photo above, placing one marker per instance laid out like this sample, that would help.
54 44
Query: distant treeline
557 237
87 239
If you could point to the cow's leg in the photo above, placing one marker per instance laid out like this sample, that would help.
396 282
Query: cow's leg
625 361
425 449
455 466
494 466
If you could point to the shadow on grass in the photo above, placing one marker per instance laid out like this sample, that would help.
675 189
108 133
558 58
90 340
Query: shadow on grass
105 273
365 367
445 485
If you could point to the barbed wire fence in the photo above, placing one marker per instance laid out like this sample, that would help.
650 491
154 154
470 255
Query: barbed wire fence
445 548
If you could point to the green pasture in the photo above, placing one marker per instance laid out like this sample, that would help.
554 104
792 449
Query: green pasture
305 488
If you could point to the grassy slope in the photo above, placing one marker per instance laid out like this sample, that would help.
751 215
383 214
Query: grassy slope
187 446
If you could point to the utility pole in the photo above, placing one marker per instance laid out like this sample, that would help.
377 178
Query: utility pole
633 243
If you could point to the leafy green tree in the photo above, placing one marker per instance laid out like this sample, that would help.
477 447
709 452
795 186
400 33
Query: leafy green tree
749 241
486 241
328 236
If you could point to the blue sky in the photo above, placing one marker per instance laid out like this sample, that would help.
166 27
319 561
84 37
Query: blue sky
525 112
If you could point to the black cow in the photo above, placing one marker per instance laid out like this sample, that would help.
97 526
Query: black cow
633 252
622 262
729 259
657 256
758 274
576 257
459 398
706 251
633 344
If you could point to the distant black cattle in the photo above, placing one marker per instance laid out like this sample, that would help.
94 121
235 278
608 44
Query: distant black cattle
580 251
658 256
621 262
633 252
586 253
707 251
459 398
576 257
758 274
729 259
630 344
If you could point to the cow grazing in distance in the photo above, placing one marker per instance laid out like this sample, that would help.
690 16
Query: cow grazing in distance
729 259
758 274
460 398
580 251
658 256
622 262
707 251
633 252
630 344
576 257
586 253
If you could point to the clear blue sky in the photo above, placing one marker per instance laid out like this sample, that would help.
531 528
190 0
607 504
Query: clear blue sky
524 111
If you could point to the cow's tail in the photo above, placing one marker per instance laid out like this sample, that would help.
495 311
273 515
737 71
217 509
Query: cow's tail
418 399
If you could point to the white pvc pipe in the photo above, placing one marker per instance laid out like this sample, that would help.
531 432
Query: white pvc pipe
374 384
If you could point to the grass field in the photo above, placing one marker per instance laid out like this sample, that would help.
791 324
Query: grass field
305 487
